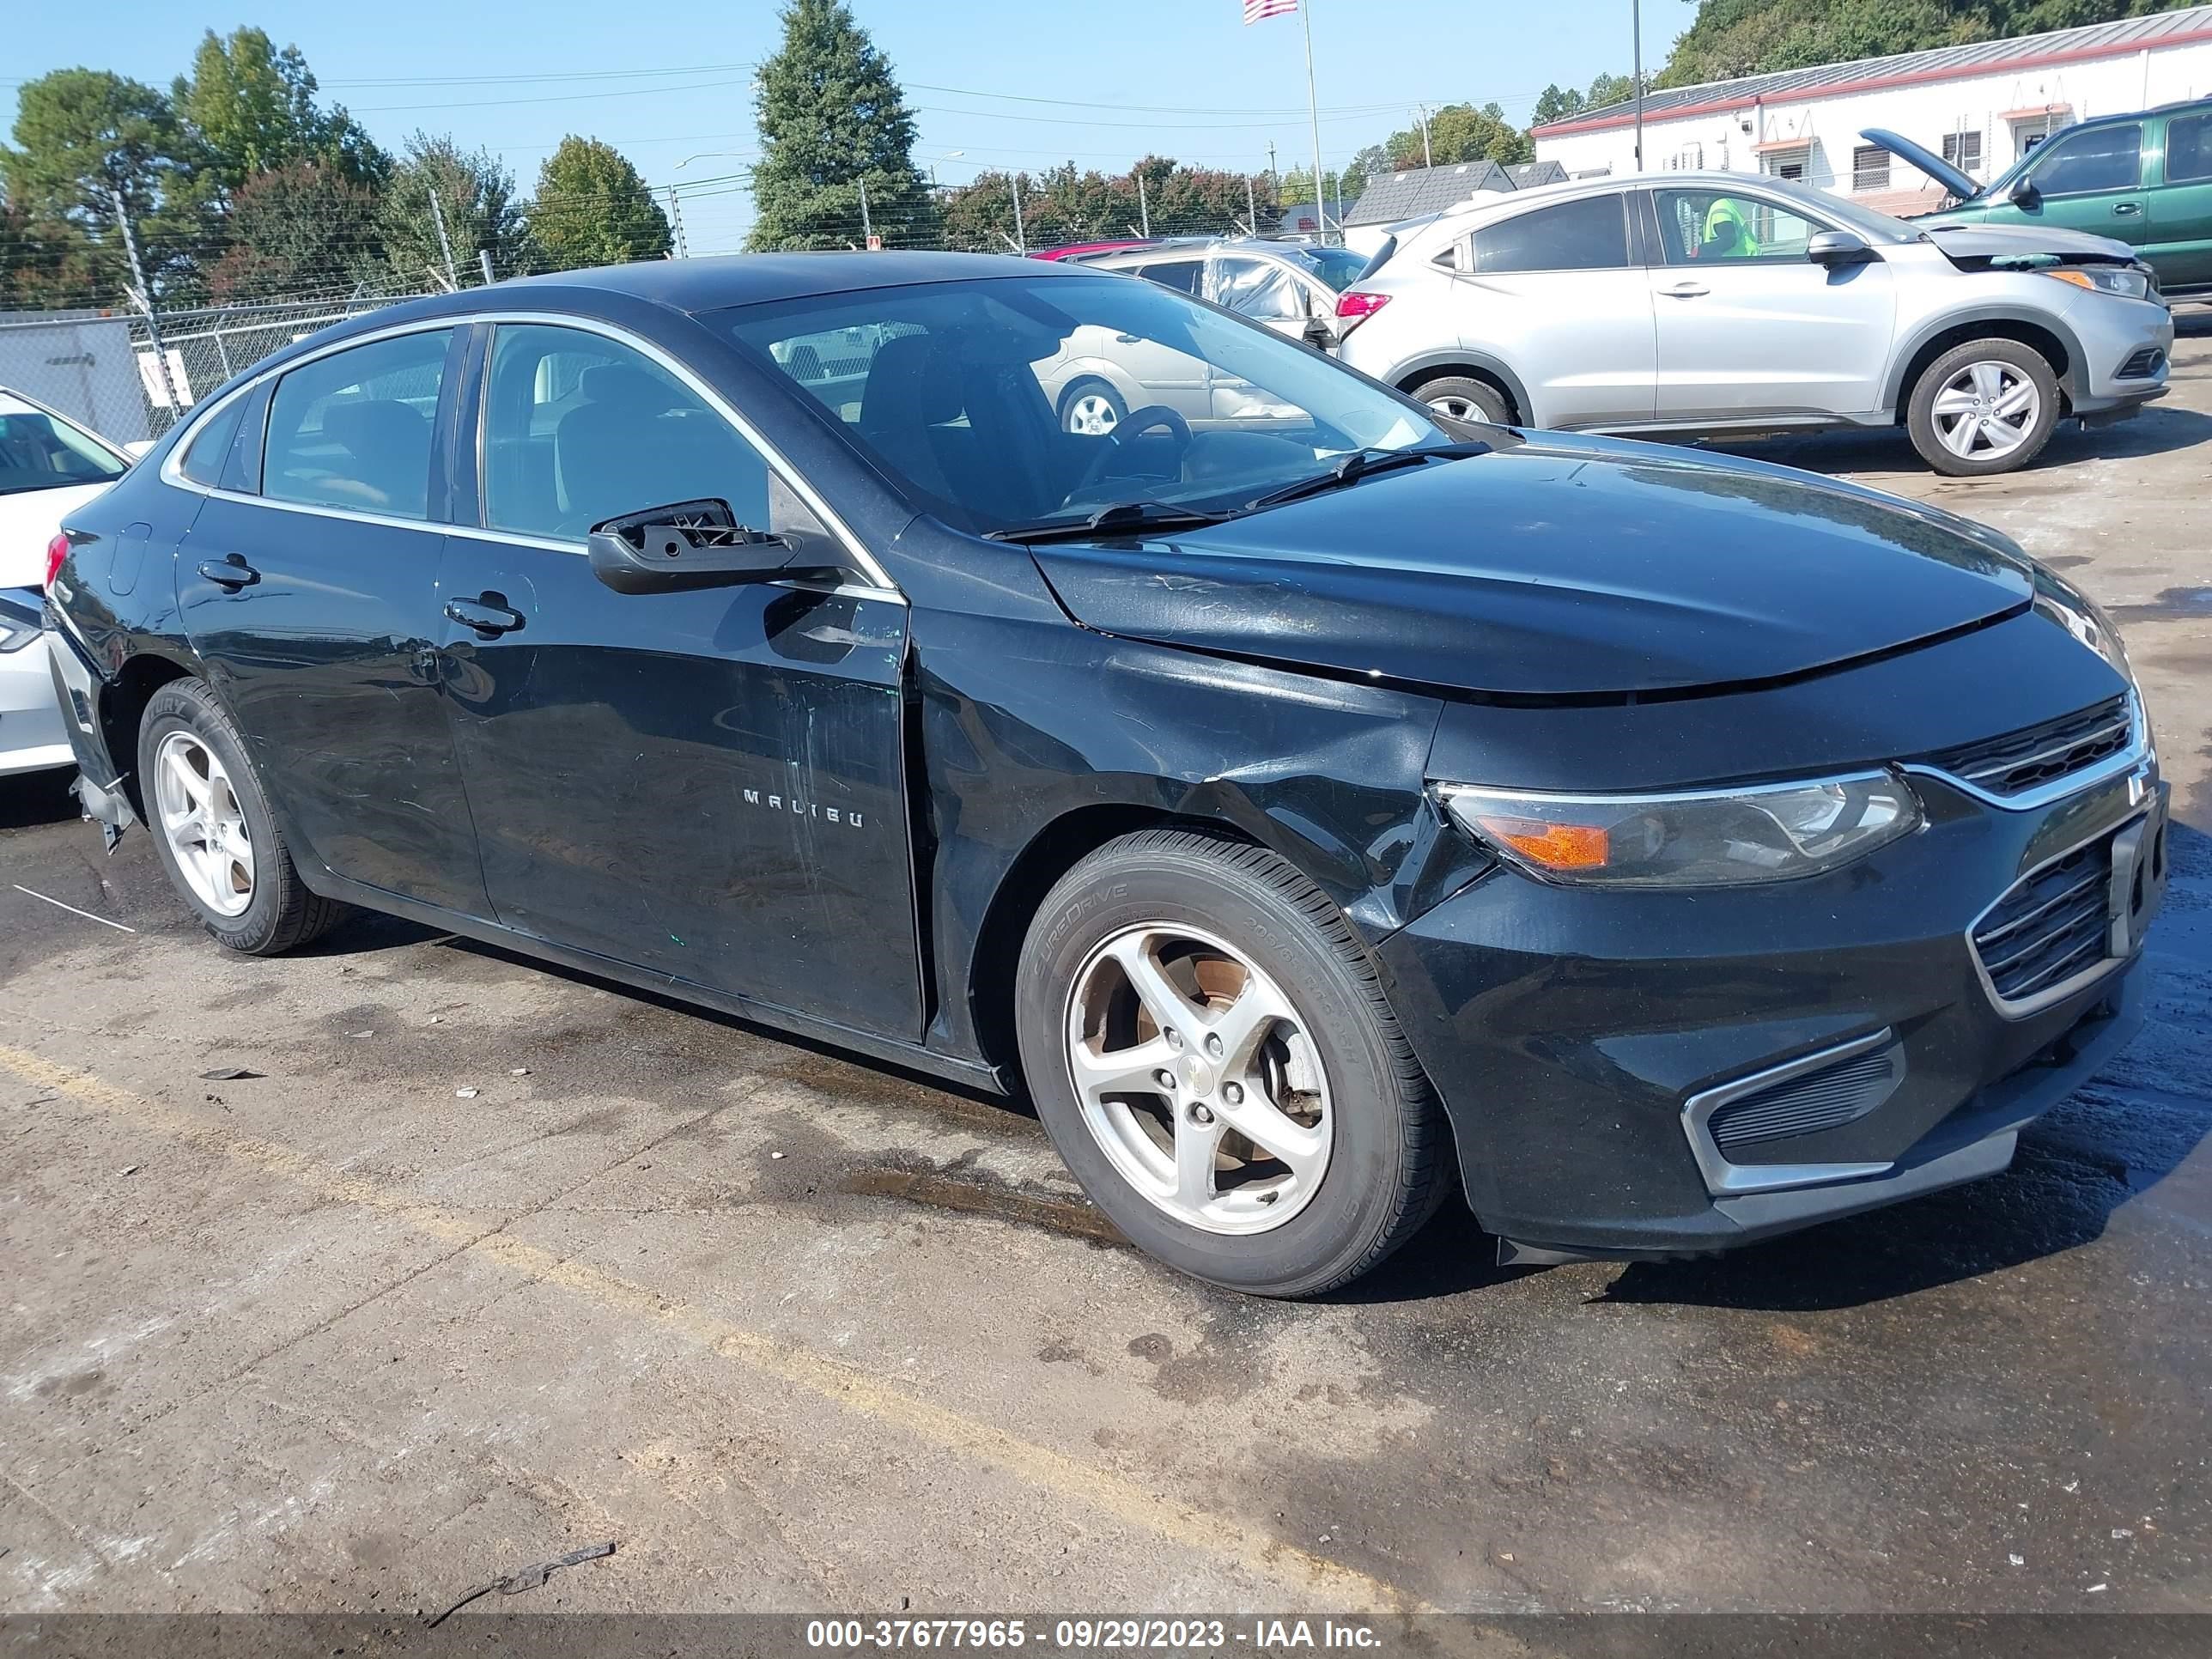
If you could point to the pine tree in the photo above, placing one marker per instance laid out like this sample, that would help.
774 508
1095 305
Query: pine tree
593 208
833 122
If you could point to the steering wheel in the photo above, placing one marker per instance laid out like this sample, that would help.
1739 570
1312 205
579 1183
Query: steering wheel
1135 421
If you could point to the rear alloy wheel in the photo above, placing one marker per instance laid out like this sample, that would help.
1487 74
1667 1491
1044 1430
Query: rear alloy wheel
1984 407
1207 1045
213 831
1091 409
1459 397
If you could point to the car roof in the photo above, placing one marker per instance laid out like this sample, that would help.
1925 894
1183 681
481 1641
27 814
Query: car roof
714 284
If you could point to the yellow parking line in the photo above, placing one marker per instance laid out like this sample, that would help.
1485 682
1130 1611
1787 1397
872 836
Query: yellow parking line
1094 1489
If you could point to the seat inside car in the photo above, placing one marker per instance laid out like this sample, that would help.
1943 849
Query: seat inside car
964 418
387 443
634 442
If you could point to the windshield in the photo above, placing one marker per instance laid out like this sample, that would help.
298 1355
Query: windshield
38 452
1021 401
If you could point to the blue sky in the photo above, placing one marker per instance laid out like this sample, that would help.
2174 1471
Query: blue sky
1003 82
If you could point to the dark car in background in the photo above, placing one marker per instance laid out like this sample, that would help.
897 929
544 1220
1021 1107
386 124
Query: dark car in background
1310 811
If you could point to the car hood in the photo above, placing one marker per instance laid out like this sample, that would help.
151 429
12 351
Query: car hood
28 520
1970 243
1926 161
1557 568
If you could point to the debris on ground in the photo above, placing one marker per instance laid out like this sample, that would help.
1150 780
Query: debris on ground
529 1578
464 1094
229 1074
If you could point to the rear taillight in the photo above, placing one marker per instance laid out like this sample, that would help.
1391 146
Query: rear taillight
57 550
1355 305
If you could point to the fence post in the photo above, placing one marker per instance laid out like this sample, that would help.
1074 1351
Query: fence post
484 257
868 227
222 353
1144 208
676 223
1252 209
145 296
1021 236
438 218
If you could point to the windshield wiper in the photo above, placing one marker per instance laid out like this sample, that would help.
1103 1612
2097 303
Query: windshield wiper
1120 515
1364 463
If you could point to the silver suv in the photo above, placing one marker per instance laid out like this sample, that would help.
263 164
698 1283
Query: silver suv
1708 302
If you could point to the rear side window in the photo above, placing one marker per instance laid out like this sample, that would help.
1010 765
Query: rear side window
1591 234
2081 163
210 446
2188 149
353 429
1181 274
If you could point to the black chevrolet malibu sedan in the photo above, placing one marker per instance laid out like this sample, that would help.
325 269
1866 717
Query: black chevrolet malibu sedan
1309 803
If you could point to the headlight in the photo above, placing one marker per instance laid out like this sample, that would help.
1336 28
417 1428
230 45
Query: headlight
1720 838
2124 280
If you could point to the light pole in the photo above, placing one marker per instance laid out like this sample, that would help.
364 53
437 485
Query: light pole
1421 112
1636 29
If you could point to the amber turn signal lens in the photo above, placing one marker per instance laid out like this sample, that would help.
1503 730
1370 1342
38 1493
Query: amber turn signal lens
2079 278
1552 845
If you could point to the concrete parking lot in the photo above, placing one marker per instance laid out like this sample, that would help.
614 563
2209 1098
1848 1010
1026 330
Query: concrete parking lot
482 1262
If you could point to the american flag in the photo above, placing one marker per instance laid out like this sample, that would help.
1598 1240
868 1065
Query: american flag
1256 9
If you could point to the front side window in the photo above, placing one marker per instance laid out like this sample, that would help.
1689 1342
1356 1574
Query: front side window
2188 149
2095 159
1704 227
579 429
1259 289
38 452
353 429
1591 234
963 402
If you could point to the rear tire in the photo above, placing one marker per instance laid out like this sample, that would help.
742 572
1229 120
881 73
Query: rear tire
1270 1020
1982 408
213 831
1091 409
1461 397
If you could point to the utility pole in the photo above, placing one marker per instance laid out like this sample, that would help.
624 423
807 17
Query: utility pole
1313 109
1021 236
1636 29
1144 208
438 217
145 296
1421 112
675 223
1274 176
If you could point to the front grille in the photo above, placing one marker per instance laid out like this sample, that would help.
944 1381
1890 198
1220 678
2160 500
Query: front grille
2050 925
2142 365
1826 1099
2020 761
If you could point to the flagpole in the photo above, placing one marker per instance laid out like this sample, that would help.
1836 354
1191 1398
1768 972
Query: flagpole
1313 109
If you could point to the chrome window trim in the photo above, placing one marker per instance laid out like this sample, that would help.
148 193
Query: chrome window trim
1726 1180
2103 968
878 581
2137 753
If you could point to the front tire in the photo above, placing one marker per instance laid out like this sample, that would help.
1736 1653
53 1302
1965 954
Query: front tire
213 830
1210 1049
1984 407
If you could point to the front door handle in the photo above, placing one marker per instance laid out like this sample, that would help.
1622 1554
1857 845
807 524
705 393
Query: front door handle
230 573
488 614
2120 208
1686 291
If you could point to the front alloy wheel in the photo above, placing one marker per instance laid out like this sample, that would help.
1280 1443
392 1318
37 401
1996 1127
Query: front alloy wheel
1986 410
1985 406
1197 1079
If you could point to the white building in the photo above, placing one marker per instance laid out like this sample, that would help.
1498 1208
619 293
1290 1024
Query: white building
1981 106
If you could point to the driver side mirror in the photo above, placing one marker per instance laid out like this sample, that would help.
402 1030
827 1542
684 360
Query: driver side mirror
2023 193
1833 248
683 546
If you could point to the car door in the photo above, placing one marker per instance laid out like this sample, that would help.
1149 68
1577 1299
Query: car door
309 587
2090 178
2179 243
710 785
1748 325
1557 295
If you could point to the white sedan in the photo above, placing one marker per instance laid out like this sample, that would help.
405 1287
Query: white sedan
48 465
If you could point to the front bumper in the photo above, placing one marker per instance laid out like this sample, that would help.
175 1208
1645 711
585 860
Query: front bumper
33 737
2126 347
1580 1039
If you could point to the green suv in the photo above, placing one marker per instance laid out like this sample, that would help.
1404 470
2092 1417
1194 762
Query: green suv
2144 180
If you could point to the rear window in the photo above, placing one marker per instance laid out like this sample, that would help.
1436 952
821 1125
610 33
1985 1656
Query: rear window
1591 234
209 446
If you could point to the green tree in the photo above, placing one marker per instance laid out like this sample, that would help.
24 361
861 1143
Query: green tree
46 264
81 137
834 125
1611 89
593 208
1555 103
1461 132
252 109
301 229
474 193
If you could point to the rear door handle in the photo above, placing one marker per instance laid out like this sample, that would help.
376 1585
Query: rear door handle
231 573
2120 207
488 614
1686 291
